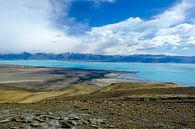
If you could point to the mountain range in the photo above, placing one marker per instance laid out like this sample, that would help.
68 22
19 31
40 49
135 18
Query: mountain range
145 58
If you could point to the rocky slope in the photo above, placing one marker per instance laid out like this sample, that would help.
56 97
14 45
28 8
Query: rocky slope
118 106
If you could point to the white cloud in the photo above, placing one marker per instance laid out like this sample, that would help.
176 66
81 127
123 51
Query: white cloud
170 29
30 25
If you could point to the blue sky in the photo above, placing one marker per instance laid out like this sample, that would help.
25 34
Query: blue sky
108 13
98 26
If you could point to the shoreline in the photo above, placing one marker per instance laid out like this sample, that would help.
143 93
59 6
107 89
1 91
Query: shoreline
135 78
126 76
159 73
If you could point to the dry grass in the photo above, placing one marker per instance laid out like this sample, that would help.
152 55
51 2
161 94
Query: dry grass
137 90
9 96
136 86
154 90
21 96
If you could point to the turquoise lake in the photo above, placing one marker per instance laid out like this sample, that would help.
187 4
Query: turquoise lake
158 72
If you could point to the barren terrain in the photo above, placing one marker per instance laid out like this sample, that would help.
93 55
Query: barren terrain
54 98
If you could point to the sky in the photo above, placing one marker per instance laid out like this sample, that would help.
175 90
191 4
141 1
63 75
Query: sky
109 27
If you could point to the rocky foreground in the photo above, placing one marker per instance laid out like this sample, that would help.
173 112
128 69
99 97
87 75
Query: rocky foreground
119 106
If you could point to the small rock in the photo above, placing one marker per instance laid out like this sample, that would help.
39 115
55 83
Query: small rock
50 117
46 117
35 124
80 122
95 126
73 122
85 122
53 123
92 121
43 116
110 126
38 114
4 121
74 118
39 120
65 125
49 113
59 118
20 119
84 109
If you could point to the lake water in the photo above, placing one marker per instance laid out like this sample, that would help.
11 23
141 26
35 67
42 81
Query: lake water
170 72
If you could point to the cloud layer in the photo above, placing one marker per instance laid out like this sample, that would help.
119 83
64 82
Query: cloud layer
173 29
35 26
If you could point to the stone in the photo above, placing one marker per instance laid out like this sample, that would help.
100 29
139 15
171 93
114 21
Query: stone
53 123
73 122
94 126
43 116
49 113
80 122
84 109
59 118
50 117
39 120
20 119
65 124
46 117
110 126
4 121
38 114
85 122
74 118
92 121
35 124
